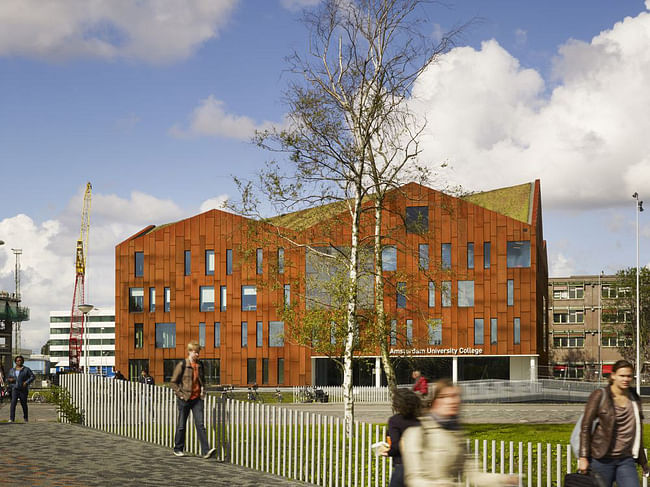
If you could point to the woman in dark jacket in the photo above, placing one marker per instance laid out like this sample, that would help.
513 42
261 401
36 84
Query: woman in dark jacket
19 378
407 406
617 442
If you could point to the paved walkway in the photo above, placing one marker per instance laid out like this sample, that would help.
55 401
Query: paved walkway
44 453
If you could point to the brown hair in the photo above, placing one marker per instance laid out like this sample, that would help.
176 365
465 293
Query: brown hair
407 403
194 345
620 364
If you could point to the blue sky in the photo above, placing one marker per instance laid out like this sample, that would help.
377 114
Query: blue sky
154 103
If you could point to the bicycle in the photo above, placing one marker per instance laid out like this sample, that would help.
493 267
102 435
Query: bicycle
253 395
278 394
37 397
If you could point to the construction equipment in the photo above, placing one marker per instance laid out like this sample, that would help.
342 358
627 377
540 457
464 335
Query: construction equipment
77 318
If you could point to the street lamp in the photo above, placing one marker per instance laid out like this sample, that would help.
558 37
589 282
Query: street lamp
85 309
638 209
600 319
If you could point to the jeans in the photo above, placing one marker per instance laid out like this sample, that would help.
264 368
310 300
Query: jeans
18 394
397 477
184 408
622 469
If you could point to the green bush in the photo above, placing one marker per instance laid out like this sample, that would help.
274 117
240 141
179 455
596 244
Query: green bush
61 397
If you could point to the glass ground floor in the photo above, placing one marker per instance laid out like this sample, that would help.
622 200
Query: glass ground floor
367 371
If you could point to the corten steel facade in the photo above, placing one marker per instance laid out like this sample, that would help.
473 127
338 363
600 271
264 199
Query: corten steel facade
472 275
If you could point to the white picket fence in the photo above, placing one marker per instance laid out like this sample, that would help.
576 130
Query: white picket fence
293 444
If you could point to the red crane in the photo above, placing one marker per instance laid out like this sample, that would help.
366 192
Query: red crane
76 316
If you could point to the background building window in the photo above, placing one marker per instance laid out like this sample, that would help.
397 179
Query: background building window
518 254
188 262
517 331
259 334
280 260
139 264
248 298
470 255
169 364
478 331
228 261
568 342
217 334
446 256
138 335
409 332
152 299
493 331
209 262
486 255
136 299
259 261
265 371
423 251
222 300
202 335
465 294
251 371
287 295
576 292
212 370
445 294
206 298
393 332
401 295
244 334
435 331
167 299
389 258
276 333
432 294
165 335
417 219
511 292
280 371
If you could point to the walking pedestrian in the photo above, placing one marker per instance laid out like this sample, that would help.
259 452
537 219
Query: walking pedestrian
145 404
435 452
406 405
616 444
421 386
188 383
19 378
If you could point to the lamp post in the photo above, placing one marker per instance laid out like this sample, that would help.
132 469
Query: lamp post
85 309
638 209
600 319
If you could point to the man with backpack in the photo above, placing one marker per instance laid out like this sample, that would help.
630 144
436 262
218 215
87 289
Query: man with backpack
188 383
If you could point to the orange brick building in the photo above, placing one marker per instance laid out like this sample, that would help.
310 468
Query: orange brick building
466 290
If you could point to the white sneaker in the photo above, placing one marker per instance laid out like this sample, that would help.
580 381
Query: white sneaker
210 453
179 453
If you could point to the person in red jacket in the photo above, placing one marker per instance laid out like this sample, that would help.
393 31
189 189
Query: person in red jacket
421 386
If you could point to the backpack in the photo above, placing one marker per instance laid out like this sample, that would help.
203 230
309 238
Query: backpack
575 434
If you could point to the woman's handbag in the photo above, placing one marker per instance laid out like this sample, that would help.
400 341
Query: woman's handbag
588 479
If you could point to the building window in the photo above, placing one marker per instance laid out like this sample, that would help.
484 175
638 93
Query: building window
517 331
136 299
518 254
251 371
617 316
470 255
486 255
212 370
138 335
139 264
568 342
511 292
152 299
611 292
493 331
417 219
561 293
188 262
167 300
446 256
465 294
259 334
576 292
569 316
265 371
217 334
280 371
248 298
206 298
244 334
276 333
445 294
401 295
222 301
432 294
165 335
209 262
393 332
435 331
280 260
478 331
228 261
169 364
389 258
409 332
202 334
259 261
287 295
617 341
423 250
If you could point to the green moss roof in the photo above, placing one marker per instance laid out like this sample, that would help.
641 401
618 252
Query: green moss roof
513 202
303 219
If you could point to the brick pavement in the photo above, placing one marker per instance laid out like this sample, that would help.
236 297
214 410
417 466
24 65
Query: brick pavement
44 453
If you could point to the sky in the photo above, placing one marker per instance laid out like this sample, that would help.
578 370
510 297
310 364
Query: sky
155 102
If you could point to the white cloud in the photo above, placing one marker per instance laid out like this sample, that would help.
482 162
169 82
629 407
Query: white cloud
560 265
296 5
217 202
211 119
497 125
521 37
151 30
